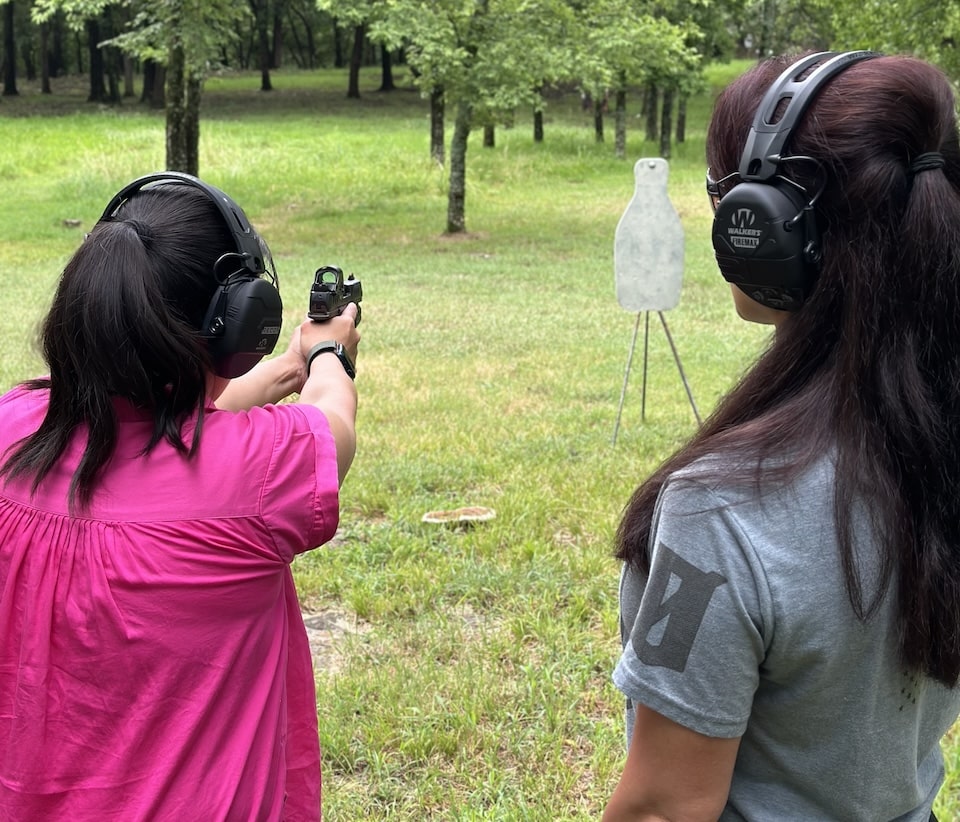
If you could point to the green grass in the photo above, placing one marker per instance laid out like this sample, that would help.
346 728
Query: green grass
473 682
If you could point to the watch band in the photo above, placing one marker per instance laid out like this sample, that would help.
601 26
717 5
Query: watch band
332 347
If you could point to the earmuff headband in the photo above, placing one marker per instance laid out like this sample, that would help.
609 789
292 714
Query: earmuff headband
248 245
765 142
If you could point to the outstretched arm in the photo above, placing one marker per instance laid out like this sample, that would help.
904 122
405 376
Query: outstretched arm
328 386
325 384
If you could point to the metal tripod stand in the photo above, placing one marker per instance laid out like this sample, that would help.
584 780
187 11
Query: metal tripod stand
646 351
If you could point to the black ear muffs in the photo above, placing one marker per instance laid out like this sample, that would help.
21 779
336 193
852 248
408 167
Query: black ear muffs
765 231
242 322
761 245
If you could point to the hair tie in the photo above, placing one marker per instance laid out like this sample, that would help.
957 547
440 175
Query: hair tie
143 231
926 162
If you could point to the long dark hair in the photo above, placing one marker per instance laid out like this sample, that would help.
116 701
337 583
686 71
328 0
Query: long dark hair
870 364
124 324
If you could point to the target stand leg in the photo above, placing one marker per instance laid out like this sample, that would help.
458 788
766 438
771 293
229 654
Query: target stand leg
646 353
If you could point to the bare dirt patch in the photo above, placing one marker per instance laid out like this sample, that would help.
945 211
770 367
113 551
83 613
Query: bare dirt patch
326 631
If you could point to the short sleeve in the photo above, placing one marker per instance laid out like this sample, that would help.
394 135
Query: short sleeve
300 503
694 629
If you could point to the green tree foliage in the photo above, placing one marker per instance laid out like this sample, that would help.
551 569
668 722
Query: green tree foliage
491 57
486 57
482 60
768 27
357 16
623 44
928 29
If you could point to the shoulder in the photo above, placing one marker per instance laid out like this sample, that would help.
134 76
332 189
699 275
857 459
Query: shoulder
749 525
22 409
25 395
735 483
268 441
268 421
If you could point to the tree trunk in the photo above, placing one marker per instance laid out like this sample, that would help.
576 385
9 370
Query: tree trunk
260 11
651 109
338 59
489 136
9 53
620 123
308 51
356 60
276 50
386 70
246 46
666 123
682 119
114 69
436 124
29 62
45 59
177 158
112 59
456 219
538 116
98 89
128 90
301 59
265 83
191 122
58 51
598 120
154 84
149 74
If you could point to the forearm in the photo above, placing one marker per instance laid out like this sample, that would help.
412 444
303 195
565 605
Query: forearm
268 382
330 389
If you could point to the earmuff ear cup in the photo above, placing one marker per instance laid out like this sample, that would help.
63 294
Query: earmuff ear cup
761 245
242 325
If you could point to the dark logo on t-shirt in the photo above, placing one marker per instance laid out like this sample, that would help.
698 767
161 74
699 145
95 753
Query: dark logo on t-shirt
664 635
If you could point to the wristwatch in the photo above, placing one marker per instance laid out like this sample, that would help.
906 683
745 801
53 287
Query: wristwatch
333 347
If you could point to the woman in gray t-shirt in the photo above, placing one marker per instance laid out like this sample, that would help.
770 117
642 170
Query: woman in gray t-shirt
790 596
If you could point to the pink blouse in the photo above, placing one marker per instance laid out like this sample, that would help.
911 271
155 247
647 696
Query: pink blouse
153 661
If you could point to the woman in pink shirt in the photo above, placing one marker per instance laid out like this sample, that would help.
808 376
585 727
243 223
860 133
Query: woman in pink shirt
153 661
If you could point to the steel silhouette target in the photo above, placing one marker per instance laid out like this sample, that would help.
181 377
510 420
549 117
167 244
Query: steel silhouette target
648 244
648 261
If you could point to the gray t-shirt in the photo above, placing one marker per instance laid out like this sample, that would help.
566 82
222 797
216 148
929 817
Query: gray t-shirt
744 628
